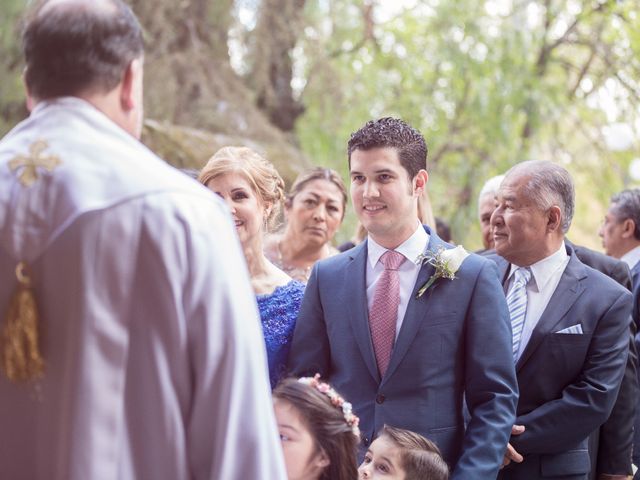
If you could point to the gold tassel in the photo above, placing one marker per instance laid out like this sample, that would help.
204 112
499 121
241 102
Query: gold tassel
21 357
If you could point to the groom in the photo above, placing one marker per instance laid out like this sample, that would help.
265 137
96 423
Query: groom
404 360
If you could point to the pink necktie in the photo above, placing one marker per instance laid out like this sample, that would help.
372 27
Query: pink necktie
384 311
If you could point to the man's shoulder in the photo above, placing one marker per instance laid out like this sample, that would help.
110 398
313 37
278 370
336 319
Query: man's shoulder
594 280
99 167
342 259
611 267
195 208
595 259
489 259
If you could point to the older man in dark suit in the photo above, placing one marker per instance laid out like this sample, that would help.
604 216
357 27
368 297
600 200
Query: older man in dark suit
570 327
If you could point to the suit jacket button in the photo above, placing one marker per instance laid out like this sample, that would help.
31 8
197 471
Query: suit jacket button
380 399
365 440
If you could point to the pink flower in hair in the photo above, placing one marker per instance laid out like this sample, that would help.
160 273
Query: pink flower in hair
335 399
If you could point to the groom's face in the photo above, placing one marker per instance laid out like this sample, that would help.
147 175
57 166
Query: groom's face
383 195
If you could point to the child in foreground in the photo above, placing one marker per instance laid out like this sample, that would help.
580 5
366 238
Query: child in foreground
318 430
399 454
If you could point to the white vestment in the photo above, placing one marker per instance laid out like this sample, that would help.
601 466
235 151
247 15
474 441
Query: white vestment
155 366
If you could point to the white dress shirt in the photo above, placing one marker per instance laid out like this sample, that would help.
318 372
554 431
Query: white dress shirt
408 271
631 257
545 277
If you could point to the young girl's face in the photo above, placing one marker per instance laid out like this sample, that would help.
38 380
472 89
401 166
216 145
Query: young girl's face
301 457
382 461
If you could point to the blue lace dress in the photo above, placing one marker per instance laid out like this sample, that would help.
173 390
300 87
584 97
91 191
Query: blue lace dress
278 313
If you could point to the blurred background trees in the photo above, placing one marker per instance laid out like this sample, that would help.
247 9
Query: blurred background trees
489 83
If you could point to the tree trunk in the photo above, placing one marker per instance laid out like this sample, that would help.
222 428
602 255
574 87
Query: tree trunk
279 25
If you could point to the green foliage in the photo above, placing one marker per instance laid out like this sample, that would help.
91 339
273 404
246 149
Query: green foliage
490 83
11 90
488 89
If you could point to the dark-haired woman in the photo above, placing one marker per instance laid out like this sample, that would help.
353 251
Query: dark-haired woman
314 210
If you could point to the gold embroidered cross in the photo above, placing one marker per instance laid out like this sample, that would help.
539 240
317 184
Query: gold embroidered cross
29 164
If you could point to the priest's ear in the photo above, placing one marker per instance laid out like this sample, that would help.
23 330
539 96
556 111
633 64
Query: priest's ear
131 97
30 101
131 91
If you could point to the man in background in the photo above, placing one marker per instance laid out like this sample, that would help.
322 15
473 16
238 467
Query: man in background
570 326
620 234
610 446
486 205
129 349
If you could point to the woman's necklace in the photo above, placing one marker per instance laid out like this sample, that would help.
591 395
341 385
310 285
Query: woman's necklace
297 273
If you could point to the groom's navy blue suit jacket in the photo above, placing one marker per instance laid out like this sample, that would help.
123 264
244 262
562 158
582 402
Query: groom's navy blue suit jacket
569 382
455 341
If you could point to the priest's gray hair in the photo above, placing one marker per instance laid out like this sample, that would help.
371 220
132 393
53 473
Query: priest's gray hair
548 185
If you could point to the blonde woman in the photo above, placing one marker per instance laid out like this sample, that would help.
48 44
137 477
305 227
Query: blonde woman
254 192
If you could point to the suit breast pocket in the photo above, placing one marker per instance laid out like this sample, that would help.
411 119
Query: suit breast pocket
567 351
568 339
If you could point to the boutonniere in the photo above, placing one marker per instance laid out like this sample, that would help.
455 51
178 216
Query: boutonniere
446 262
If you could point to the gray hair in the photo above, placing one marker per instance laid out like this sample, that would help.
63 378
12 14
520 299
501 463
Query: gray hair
549 184
490 187
626 205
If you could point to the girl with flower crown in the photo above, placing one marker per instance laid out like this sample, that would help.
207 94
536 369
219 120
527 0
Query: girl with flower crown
318 430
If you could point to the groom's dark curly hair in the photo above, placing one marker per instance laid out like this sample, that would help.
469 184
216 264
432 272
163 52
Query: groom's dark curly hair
395 133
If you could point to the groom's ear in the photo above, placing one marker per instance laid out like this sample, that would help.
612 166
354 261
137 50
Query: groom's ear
420 181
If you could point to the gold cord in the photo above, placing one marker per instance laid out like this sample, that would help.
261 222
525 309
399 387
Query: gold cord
21 359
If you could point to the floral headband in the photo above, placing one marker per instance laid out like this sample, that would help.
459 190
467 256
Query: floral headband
336 400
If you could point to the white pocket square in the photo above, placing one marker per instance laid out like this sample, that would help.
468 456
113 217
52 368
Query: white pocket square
572 330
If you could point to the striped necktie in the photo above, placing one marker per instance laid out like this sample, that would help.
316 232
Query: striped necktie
517 303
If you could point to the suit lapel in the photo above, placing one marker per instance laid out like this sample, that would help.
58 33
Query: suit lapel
503 271
567 292
416 309
635 274
356 293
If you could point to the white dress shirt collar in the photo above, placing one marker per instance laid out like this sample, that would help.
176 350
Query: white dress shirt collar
410 248
632 257
543 270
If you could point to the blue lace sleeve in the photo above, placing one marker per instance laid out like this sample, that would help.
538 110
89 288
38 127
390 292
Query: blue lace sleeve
278 314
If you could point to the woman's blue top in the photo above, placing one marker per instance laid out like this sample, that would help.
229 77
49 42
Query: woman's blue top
278 314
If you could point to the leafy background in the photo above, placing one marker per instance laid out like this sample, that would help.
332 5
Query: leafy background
489 83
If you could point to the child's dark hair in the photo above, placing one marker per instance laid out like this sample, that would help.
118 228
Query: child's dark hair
326 422
420 457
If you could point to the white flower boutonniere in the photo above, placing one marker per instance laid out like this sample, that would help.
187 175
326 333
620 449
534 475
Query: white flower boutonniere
446 262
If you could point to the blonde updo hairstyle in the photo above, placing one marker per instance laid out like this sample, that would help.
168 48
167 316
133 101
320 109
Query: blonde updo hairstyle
263 177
